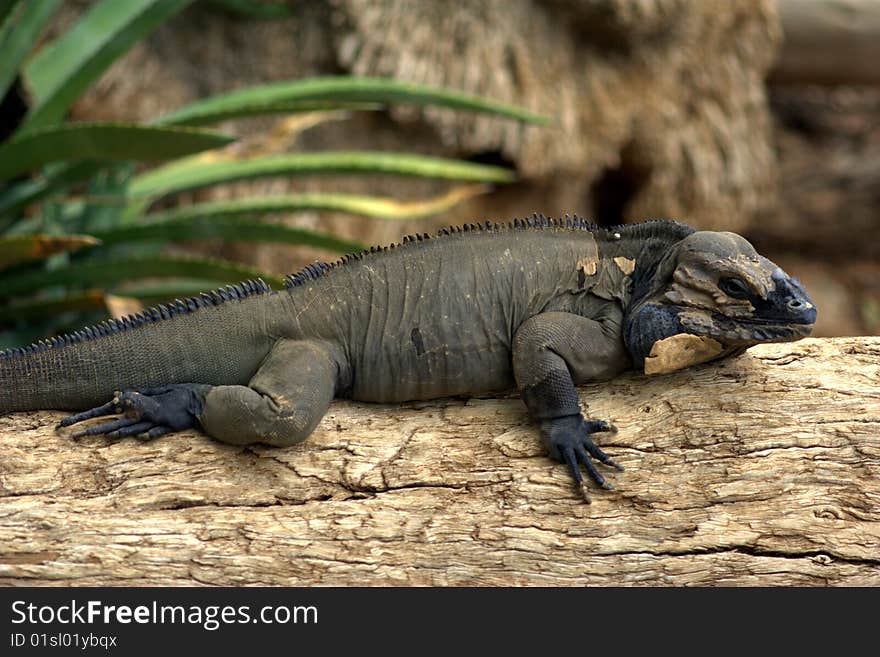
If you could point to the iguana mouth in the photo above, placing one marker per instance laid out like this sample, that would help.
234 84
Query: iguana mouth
733 333
742 330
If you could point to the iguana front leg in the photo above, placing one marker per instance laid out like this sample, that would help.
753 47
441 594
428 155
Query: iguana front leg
551 352
281 405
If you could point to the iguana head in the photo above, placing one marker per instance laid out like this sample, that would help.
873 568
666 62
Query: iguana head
716 295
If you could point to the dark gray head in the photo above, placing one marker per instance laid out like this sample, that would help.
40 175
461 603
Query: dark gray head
715 286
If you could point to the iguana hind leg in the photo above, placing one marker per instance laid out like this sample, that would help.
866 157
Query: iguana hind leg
281 404
551 352
284 401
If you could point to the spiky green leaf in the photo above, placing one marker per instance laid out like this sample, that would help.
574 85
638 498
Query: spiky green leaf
31 309
259 99
107 272
19 195
357 204
102 142
192 173
226 228
22 248
18 33
6 7
61 71
262 109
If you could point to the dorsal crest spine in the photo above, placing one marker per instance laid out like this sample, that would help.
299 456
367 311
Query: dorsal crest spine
649 228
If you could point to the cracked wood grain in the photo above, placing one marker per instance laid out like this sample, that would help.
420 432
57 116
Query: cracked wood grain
761 470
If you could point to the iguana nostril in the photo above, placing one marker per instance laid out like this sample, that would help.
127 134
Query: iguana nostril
800 306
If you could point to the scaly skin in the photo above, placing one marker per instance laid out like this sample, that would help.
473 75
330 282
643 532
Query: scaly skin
542 305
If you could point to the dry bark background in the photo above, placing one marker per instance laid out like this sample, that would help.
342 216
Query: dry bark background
826 226
659 107
761 470
830 42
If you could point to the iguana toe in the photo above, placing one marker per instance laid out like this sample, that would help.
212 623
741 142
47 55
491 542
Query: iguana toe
569 440
109 408
595 426
106 427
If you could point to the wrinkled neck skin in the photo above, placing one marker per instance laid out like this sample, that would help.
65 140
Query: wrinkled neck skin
646 322
649 323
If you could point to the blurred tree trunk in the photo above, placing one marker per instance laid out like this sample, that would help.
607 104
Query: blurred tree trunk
826 104
829 42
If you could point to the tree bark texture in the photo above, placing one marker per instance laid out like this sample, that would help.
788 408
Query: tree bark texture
761 470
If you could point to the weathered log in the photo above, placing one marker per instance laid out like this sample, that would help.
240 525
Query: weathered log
761 470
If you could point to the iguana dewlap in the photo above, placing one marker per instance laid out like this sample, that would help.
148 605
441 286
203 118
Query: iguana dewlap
540 304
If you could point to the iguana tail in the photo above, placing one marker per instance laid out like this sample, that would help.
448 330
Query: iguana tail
217 338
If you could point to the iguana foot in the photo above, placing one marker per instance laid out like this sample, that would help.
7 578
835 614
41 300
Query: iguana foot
569 440
148 413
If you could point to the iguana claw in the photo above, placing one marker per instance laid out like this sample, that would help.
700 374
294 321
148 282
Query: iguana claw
147 413
569 440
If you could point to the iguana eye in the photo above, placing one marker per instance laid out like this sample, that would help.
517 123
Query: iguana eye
734 287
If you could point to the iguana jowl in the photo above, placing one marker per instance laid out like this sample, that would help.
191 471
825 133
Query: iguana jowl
542 304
